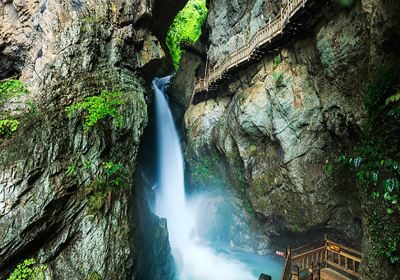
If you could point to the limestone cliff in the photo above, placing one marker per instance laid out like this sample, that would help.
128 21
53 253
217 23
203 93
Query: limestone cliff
50 208
274 127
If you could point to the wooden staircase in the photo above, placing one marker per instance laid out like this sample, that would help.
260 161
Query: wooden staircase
324 260
294 16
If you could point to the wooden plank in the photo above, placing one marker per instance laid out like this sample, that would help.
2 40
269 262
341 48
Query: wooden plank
342 268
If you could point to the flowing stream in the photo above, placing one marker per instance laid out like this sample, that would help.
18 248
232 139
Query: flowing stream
195 259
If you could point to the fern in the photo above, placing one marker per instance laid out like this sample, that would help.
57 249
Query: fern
96 108
393 99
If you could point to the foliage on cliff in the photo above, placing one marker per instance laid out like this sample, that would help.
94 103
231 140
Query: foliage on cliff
186 28
97 108
9 89
376 163
28 270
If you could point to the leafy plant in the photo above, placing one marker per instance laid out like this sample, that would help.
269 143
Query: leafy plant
114 175
110 179
277 61
278 77
96 108
393 99
376 162
71 170
186 28
86 165
10 89
107 178
28 270
329 168
7 127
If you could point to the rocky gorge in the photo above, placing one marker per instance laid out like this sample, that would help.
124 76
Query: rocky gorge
272 139
75 195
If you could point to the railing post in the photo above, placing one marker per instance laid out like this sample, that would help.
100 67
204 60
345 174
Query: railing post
319 271
326 247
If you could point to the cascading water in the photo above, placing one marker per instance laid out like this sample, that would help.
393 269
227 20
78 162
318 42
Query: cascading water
194 259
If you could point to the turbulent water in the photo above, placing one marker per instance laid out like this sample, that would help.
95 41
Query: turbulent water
195 259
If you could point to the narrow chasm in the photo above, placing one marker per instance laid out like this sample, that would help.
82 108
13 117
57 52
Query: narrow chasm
200 140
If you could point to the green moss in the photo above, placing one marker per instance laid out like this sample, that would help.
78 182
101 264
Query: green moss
97 198
206 169
295 228
94 276
186 28
263 184
253 149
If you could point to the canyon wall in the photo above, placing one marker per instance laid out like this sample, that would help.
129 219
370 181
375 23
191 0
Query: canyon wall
273 128
53 204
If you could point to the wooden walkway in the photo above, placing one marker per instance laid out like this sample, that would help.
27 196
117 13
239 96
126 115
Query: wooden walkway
325 260
289 21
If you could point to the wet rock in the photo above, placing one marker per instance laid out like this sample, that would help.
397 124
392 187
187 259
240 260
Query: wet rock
274 137
66 51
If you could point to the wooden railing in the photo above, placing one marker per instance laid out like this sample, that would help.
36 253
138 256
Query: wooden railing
326 253
264 36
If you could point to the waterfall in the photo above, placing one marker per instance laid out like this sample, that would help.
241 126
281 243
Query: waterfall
194 259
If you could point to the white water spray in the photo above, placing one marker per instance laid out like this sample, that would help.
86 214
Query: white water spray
194 260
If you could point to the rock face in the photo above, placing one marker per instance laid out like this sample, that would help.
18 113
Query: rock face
274 128
49 205
233 23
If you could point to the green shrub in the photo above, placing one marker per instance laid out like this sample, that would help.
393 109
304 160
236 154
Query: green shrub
10 89
28 270
376 162
96 108
110 179
186 28
7 127
115 175
107 178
